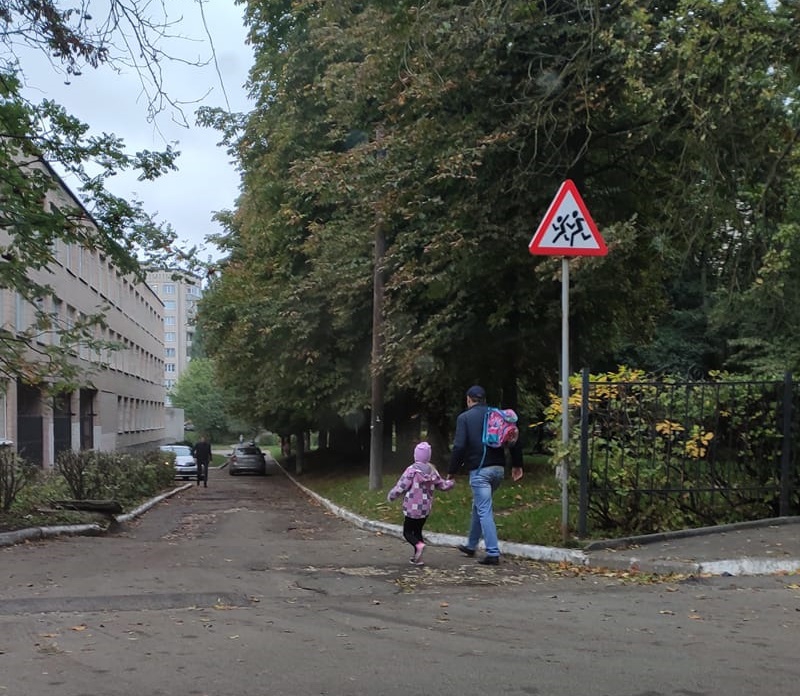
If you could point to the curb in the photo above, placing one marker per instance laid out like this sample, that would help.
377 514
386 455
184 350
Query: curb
600 555
547 554
728 567
643 539
38 533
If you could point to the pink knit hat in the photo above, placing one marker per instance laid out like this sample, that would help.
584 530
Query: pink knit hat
422 453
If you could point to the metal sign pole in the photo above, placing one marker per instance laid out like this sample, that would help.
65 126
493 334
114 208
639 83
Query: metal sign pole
566 230
564 397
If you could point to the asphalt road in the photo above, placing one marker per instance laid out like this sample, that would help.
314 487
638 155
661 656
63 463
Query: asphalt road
248 588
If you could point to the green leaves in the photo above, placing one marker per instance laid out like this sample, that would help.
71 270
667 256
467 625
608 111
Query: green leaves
446 129
198 393
41 141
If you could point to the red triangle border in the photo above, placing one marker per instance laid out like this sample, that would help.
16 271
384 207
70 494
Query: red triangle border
536 246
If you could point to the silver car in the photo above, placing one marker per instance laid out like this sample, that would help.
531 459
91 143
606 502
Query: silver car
247 458
185 464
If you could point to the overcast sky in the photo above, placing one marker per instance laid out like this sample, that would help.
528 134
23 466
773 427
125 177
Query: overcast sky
109 102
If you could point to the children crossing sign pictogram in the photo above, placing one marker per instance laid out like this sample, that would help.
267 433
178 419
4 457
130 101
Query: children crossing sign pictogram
567 228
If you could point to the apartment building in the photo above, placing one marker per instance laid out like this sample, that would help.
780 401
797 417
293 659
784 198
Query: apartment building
179 293
121 403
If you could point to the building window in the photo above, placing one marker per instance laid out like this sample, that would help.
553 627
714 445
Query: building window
169 367
169 321
169 289
19 314
169 353
169 337
169 304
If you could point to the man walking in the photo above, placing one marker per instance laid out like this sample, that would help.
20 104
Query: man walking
486 467
202 455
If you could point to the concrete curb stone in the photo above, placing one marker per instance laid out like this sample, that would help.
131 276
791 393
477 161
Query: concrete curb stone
539 553
630 554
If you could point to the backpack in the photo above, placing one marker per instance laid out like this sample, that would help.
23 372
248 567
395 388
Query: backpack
499 429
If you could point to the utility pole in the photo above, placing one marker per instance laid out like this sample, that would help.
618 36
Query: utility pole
376 419
377 400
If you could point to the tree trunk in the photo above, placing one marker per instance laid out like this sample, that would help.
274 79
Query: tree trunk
301 453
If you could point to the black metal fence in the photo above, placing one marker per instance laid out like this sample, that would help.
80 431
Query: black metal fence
661 455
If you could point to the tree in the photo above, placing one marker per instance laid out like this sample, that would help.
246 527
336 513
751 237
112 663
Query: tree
37 139
197 392
451 125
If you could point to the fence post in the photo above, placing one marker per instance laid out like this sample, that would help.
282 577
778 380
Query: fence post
583 497
786 445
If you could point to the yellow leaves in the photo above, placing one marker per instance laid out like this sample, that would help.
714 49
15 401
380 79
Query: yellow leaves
668 427
697 444
623 384
565 569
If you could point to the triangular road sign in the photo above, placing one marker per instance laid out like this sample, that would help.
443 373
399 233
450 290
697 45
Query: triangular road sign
567 228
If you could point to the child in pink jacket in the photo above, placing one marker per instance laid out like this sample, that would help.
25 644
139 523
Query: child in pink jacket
418 482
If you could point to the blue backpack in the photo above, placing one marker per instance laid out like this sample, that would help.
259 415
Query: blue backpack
499 429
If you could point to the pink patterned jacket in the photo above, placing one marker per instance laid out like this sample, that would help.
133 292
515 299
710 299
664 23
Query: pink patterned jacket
418 482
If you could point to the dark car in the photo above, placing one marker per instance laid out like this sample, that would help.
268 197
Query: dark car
247 458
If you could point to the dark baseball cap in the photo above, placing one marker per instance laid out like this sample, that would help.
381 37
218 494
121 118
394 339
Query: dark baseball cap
476 392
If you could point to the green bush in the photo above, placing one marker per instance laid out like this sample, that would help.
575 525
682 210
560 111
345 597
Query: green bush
15 475
92 475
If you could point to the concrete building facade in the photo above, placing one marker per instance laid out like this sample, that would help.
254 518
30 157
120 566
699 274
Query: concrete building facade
120 404
179 295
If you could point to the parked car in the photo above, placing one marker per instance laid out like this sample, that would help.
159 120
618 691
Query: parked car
185 464
247 458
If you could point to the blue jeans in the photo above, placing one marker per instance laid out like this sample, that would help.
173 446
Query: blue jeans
484 482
